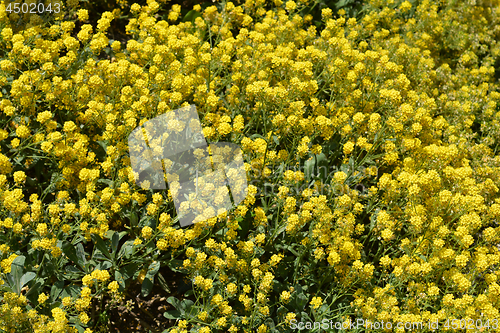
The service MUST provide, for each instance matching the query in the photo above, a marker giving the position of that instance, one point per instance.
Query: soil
(135, 313)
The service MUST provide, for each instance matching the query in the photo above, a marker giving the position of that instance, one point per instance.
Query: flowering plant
(369, 143)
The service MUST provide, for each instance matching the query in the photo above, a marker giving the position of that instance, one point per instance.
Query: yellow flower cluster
(404, 113)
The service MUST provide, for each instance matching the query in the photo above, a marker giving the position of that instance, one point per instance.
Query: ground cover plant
(370, 133)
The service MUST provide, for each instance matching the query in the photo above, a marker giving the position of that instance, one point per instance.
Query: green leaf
(373, 219)
(270, 323)
(289, 248)
(175, 265)
(321, 160)
(147, 220)
(73, 272)
(98, 255)
(34, 288)
(6, 287)
(256, 135)
(244, 225)
(181, 306)
(147, 286)
(16, 272)
(103, 265)
(422, 257)
(305, 317)
(133, 219)
(71, 290)
(119, 279)
(264, 204)
(101, 153)
(80, 328)
(186, 305)
(309, 168)
(108, 182)
(70, 251)
(27, 277)
(56, 290)
(172, 314)
(80, 254)
(153, 268)
(148, 282)
(126, 249)
(175, 302)
(282, 311)
(341, 3)
(17, 267)
(101, 246)
(191, 16)
(163, 283)
(129, 270)
(115, 239)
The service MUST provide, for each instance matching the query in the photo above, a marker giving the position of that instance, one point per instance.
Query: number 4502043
(33, 8)
(471, 324)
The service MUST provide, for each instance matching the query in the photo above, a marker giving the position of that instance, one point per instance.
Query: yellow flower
(42, 229)
(42, 298)
(221, 322)
(207, 285)
(83, 14)
(285, 296)
(433, 291)
(15, 143)
(47, 146)
(316, 149)
(19, 177)
(397, 271)
(231, 288)
(84, 318)
(17, 228)
(405, 6)
(162, 244)
(348, 147)
(387, 234)
(147, 232)
(113, 286)
(326, 13)
(262, 329)
(23, 132)
(340, 176)
(316, 302)
(290, 316)
(290, 6)
(224, 129)
(42, 117)
(66, 301)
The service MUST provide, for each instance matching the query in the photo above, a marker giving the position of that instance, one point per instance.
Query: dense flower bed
(370, 148)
